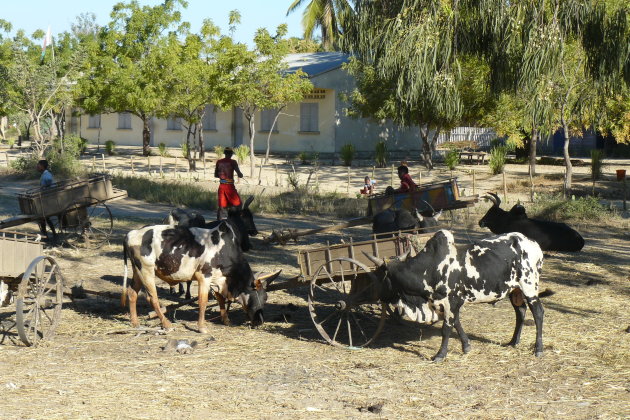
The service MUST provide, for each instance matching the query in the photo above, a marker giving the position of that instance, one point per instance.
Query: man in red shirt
(406, 183)
(224, 170)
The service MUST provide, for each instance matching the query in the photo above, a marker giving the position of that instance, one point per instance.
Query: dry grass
(284, 370)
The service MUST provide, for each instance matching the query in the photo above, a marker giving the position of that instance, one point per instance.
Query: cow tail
(123, 295)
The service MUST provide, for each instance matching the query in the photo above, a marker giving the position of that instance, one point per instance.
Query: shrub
(294, 179)
(451, 160)
(10, 142)
(305, 158)
(185, 150)
(25, 165)
(242, 152)
(498, 156)
(347, 154)
(110, 147)
(381, 154)
(65, 164)
(557, 208)
(218, 150)
(597, 164)
(163, 150)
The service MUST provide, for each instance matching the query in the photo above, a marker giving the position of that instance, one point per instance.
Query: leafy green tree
(40, 86)
(260, 80)
(125, 71)
(329, 16)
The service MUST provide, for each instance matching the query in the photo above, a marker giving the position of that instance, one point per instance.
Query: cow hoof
(438, 359)
(466, 349)
(227, 323)
(539, 353)
(203, 330)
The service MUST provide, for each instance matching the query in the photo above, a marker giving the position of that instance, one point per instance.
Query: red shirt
(406, 184)
(225, 169)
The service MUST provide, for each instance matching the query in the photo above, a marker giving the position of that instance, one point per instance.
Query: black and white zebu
(213, 257)
(551, 236)
(436, 282)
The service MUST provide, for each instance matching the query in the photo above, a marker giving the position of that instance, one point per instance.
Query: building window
(94, 121)
(210, 118)
(173, 123)
(309, 117)
(266, 119)
(124, 121)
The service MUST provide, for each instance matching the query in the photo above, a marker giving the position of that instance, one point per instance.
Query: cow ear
(248, 201)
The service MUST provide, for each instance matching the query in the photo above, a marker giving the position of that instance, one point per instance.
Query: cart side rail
(17, 250)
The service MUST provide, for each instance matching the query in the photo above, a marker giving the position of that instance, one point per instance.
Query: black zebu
(213, 257)
(442, 277)
(551, 236)
(389, 221)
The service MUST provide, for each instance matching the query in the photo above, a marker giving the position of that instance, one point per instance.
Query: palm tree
(328, 15)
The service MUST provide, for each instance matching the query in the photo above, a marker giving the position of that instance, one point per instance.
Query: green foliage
(163, 150)
(381, 154)
(218, 150)
(25, 165)
(185, 150)
(597, 163)
(330, 16)
(241, 152)
(451, 160)
(347, 152)
(10, 142)
(64, 164)
(498, 156)
(173, 193)
(305, 157)
(557, 208)
(110, 147)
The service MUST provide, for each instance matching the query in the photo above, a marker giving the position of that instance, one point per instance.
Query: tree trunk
(428, 147)
(568, 176)
(146, 135)
(202, 146)
(275, 119)
(252, 164)
(532, 152)
(189, 158)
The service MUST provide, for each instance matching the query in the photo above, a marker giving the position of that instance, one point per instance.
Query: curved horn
(248, 201)
(263, 280)
(430, 206)
(404, 256)
(374, 259)
(494, 198)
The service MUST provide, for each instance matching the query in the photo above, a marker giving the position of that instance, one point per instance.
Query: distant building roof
(317, 63)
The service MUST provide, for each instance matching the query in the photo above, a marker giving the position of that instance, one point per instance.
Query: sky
(60, 14)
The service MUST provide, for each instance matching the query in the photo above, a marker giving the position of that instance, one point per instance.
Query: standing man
(45, 181)
(224, 170)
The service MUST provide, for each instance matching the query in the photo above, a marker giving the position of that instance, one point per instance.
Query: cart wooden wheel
(88, 224)
(342, 304)
(39, 300)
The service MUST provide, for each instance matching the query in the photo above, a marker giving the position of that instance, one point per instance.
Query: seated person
(406, 183)
(368, 186)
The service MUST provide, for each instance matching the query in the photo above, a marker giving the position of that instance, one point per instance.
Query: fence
(480, 135)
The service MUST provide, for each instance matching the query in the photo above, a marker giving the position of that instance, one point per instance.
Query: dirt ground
(97, 367)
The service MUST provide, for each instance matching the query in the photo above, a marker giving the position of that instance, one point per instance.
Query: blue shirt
(46, 180)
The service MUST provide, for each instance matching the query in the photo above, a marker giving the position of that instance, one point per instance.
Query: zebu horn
(248, 201)
(374, 259)
(404, 256)
(263, 279)
(494, 198)
(430, 206)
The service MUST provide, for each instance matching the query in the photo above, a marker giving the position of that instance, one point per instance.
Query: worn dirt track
(97, 368)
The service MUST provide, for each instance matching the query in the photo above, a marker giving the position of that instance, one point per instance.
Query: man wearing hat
(224, 170)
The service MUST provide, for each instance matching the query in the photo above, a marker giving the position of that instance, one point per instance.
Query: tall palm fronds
(330, 16)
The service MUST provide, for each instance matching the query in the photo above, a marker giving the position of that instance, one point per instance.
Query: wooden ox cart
(438, 195)
(77, 210)
(34, 282)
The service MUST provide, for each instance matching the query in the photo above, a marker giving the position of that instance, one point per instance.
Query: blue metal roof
(317, 63)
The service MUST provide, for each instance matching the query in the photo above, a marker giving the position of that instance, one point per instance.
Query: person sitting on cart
(45, 181)
(406, 183)
(228, 196)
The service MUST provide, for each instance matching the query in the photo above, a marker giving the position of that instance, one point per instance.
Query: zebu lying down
(442, 277)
